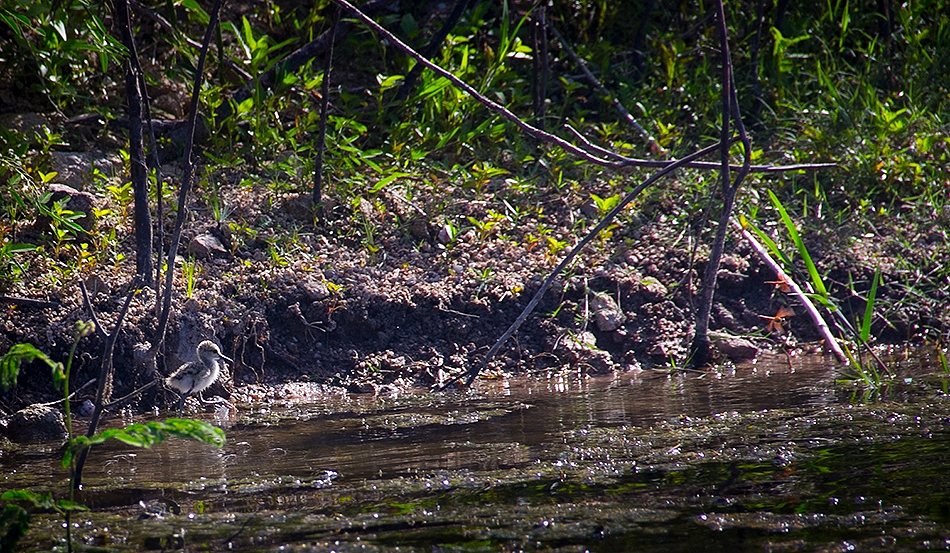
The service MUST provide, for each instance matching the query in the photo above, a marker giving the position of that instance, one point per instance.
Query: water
(777, 456)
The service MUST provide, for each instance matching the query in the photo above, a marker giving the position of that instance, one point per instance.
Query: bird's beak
(226, 358)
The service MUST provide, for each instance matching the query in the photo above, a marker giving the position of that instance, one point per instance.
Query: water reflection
(288, 458)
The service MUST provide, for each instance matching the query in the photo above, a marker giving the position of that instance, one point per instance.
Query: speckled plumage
(196, 376)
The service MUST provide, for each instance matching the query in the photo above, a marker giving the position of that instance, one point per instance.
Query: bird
(195, 376)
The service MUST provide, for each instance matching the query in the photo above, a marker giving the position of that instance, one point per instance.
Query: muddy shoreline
(418, 311)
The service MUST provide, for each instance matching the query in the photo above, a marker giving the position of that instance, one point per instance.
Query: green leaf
(769, 243)
(802, 250)
(42, 501)
(869, 308)
(18, 247)
(195, 8)
(385, 181)
(385, 83)
(148, 434)
(16, 521)
(36, 500)
(16, 356)
(248, 34)
(604, 205)
(64, 505)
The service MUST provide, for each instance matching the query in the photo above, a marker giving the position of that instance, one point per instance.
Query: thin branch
(700, 354)
(624, 113)
(100, 332)
(29, 302)
(165, 24)
(147, 111)
(620, 163)
(539, 62)
(124, 399)
(71, 396)
(796, 291)
(185, 185)
(104, 389)
(430, 49)
(139, 171)
(591, 235)
(317, 192)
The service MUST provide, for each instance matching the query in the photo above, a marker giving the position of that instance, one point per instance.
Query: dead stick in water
(813, 313)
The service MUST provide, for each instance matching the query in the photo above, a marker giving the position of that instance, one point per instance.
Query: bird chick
(195, 376)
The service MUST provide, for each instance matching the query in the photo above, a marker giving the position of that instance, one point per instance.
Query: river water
(777, 456)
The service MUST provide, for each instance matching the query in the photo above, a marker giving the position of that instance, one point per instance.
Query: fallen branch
(796, 291)
(593, 233)
(28, 302)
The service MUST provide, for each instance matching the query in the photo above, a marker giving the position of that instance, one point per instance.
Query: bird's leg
(181, 403)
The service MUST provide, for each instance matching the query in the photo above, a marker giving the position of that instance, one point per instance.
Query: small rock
(446, 234)
(607, 314)
(206, 246)
(75, 168)
(580, 340)
(86, 408)
(37, 423)
(77, 201)
(583, 351)
(653, 288)
(735, 348)
(30, 124)
(315, 290)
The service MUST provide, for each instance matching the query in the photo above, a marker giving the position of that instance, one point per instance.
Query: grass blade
(802, 250)
(869, 308)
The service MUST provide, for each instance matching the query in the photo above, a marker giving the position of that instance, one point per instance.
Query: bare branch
(593, 233)
(730, 111)
(620, 162)
(100, 332)
(654, 145)
(796, 291)
(185, 185)
(16, 300)
(104, 388)
(317, 192)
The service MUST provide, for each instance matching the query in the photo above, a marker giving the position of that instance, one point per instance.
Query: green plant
(122, 195)
(68, 44)
(15, 518)
(604, 205)
(944, 369)
(860, 369)
(820, 292)
(62, 221)
(484, 277)
(190, 269)
(12, 268)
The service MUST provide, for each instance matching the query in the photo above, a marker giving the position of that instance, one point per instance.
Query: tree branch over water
(606, 158)
(617, 161)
